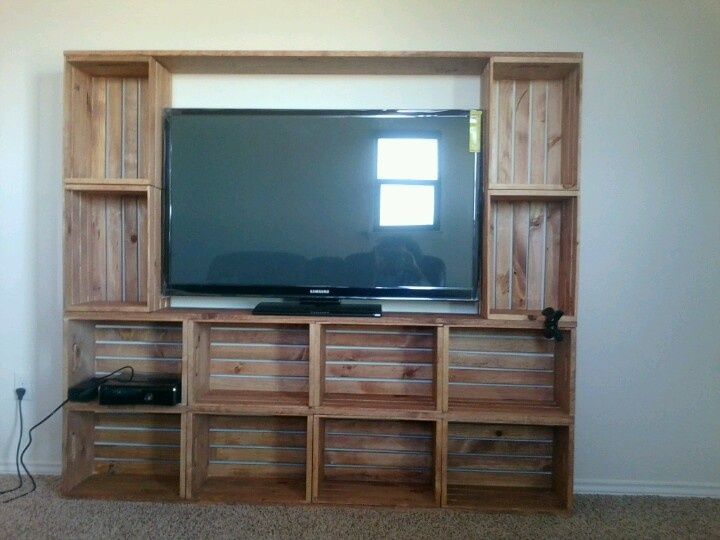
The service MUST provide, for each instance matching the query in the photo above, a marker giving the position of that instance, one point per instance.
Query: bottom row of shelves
(317, 459)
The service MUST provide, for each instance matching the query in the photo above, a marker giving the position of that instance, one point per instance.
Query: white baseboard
(53, 469)
(585, 486)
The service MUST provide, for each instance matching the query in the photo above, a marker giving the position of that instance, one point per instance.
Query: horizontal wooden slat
(258, 438)
(120, 452)
(145, 366)
(158, 421)
(508, 361)
(477, 446)
(395, 354)
(384, 427)
(499, 479)
(256, 455)
(265, 423)
(499, 431)
(501, 393)
(138, 349)
(460, 341)
(401, 460)
(259, 384)
(255, 471)
(378, 371)
(267, 368)
(145, 468)
(160, 333)
(402, 388)
(267, 335)
(466, 461)
(151, 436)
(375, 474)
(416, 443)
(404, 337)
(259, 352)
(499, 376)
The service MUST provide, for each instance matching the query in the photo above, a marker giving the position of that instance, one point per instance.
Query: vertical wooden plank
(130, 128)
(142, 123)
(570, 129)
(159, 97)
(503, 254)
(488, 100)
(564, 382)
(568, 257)
(98, 124)
(521, 133)
(538, 130)
(505, 134)
(521, 225)
(553, 231)
(199, 448)
(185, 452)
(78, 112)
(78, 448)
(114, 248)
(72, 249)
(536, 260)
(200, 361)
(563, 448)
(129, 249)
(554, 132)
(443, 461)
(186, 360)
(97, 248)
(438, 457)
(317, 460)
(316, 364)
(79, 340)
(151, 253)
(309, 460)
(442, 373)
(114, 119)
(142, 247)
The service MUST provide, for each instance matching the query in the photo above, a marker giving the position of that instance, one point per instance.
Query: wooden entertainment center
(417, 410)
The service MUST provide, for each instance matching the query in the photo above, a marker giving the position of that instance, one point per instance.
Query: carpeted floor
(45, 514)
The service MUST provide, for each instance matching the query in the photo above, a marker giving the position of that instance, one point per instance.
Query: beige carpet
(44, 514)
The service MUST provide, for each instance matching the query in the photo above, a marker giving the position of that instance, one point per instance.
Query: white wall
(648, 405)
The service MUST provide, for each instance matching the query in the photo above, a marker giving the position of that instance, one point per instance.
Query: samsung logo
(319, 291)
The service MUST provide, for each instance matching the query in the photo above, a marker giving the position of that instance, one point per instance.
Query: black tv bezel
(328, 292)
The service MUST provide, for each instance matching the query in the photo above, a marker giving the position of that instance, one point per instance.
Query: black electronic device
(310, 309)
(552, 321)
(85, 391)
(140, 391)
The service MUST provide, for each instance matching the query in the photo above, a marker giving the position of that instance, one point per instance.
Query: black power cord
(99, 381)
(20, 392)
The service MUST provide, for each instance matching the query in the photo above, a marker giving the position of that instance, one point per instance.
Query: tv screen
(348, 204)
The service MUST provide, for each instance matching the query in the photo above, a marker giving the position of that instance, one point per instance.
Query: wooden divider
(372, 366)
(114, 455)
(249, 458)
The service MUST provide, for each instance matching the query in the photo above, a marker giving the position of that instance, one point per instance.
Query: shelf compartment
(114, 120)
(123, 456)
(531, 263)
(508, 467)
(251, 364)
(379, 367)
(491, 368)
(112, 243)
(534, 106)
(376, 462)
(262, 459)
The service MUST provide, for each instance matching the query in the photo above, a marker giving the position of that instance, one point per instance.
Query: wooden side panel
(257, 447)
(500, 455)
(529, 136)
(534, 255)
(390, 362)
(105, 253)
(77, 449)
(150, 348)
(493, 365)
(269, 359)
(379, 451)
(146, 444)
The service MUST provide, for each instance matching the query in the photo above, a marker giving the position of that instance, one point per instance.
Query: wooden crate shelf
(250, 458)
(112, 244)
(376, 462)
(113, 117)
(379, 367)
(511, 369)
(123, 456)
(532, 252)
(250, 364)
(97, 348)
(507, 467)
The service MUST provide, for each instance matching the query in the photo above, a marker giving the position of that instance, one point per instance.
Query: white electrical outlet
(22, 380)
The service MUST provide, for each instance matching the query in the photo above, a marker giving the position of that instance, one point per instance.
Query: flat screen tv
(321, 203)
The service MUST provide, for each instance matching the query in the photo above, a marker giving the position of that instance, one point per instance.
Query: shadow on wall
(394, 262)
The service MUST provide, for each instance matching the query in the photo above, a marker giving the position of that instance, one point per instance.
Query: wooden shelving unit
(414, 410)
